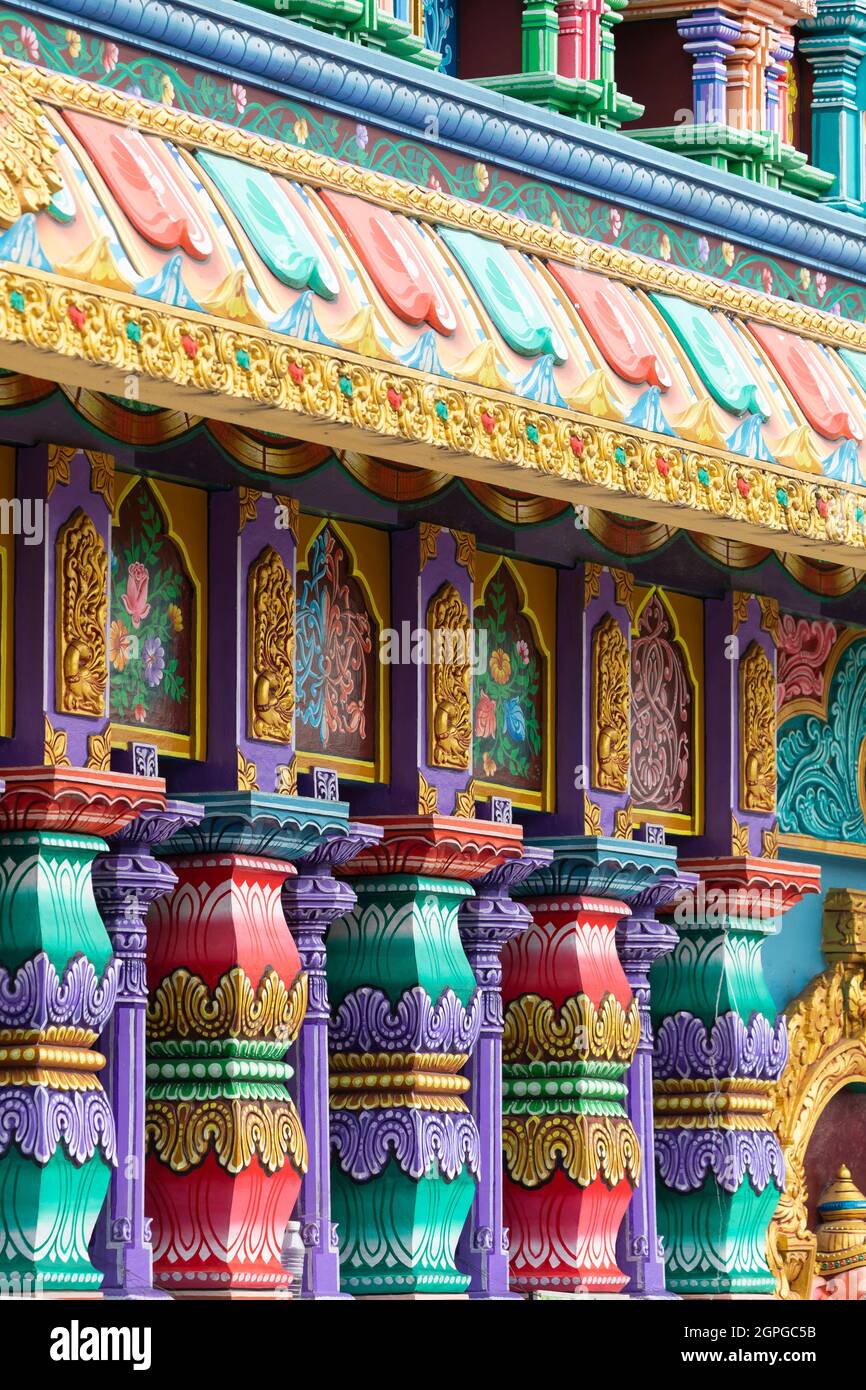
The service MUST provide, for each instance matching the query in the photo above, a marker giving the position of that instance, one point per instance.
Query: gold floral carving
(181, 1133)
(102, 475)
(591, 817)
(291, 509)
(428, 797)
(184, 1006)
(770, 842)
(82, 615)
(611, 706)
(287, 778)
(770, 616)
(449, 682)
(623, 585)
(464, 802)
(624, 823)
(826, 1052)
(464, 551)
(54, 749)
(741, 601)
(714, 1103)
(248, 499)
(247, 774)
(99, 750)
(308, 166)
(584, 1146)
(428, 543)
(271, 650)
(757, 731)
(538, 1030)
(60, 457)
(29, 172)
(774, 500)
(591, 582)
(739, 838)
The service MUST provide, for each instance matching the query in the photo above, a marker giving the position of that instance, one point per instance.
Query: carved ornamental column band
(312, 900)
(225, 1147)
(572, 1156)
(407, 1014)
(126, 881)
(720, 1047)
(58, 985)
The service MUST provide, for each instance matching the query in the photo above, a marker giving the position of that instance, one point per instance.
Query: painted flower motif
(820, 284)
(110, 57)
(153, 660)
(515, 720)
(135, 599)
(523, 652)
(29, 41)
(485, 716)
(119, 644)
(175, 617)
(615, 221)
(489, 765)
(73, 43)
(167, 90)
(805, 277)
(555, 220)
(480, 177)
(301, 131)
(139, 714)
(239, 96)
(362, 137)
(665, 246)
(499, 666)
(767, 279)
(434, 182)
(703, 250)
(729, 255)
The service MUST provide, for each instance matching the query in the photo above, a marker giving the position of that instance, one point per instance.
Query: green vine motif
(507, 744)
(32, 38)
(148, 619)
(819, 760)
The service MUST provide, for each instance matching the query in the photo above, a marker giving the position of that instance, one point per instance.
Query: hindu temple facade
(432, 649)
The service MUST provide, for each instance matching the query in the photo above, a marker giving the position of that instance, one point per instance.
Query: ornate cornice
(371, 86)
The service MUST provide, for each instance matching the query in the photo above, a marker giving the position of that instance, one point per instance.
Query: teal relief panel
(793, 957)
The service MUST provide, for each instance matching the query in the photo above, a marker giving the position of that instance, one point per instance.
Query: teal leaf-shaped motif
(819, 760)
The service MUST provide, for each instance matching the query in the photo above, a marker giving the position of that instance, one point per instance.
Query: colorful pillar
(126, 881)
(487, 922)
(312, 900)
(572, 1157)
(227, 998)
(835, 43)
(720, 1048)
(58, 983)
(407, 1015)
(641, 939)
(709, 36)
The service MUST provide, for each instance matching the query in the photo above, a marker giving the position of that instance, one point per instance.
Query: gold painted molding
(296, 162)
(563, 454)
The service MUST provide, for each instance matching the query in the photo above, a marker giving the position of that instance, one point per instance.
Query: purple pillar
(126, 881)
(710, 36)
(311, 902)
(487, 922)
(640, 940)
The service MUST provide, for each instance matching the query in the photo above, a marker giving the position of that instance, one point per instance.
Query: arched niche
(826, 1053)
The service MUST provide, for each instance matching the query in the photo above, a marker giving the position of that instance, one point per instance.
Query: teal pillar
(406, 1017)
(834, 42)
